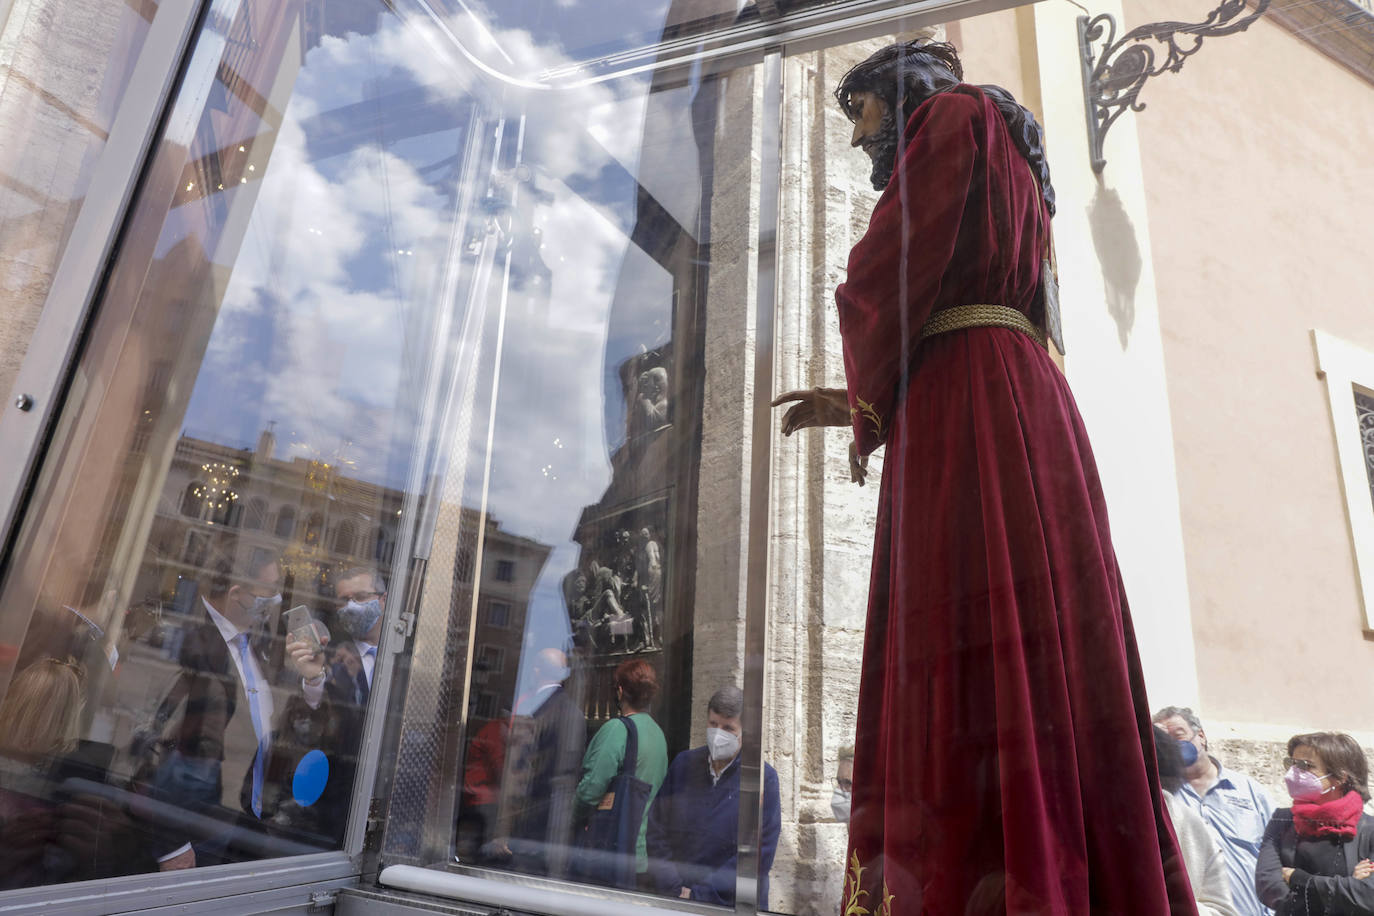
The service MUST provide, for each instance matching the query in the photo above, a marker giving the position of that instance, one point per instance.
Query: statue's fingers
(798, 417)
(799, 395)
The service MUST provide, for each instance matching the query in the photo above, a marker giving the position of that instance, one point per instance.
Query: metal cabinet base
(359, 902)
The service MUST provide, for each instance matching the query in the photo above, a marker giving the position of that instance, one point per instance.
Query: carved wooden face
(866, 110)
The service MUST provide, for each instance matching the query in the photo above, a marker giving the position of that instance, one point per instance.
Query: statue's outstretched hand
(816, 407)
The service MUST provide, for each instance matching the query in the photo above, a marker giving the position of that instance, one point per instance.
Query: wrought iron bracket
(1113, 79)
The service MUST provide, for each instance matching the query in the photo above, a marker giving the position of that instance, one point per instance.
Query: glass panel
(574, 573)
(472, 371)
(230, 480)
(529, 42)
(66, 69)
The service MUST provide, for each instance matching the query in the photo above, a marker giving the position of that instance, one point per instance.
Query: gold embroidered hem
(980, 316)
(854, 894)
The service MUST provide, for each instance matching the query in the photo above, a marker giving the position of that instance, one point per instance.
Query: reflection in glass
(208, 559)
(67, 67)
(367, 320)
(569, 513)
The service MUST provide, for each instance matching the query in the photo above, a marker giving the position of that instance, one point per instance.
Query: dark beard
(883, 152)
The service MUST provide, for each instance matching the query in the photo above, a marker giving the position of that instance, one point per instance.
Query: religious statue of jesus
(1003, 760)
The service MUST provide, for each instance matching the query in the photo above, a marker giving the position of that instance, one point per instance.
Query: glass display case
(392, 455)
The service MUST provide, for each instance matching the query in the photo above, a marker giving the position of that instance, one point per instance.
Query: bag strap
(631, 761)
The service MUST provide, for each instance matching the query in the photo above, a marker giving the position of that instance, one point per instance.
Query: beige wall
(63, 69)
(1257, 166)
(999, 48)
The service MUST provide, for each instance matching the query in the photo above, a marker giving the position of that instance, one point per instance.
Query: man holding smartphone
(324, 723)
(360, 601)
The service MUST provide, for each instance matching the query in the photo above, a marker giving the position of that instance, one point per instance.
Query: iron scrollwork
(1113, 80)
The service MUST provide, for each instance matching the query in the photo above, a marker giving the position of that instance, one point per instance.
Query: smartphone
(301, 627)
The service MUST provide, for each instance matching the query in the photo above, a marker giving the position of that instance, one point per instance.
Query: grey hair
(727, 701)
(378, 583)
(1183, 712)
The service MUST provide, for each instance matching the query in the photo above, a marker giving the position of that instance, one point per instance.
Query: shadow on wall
(1119, 255)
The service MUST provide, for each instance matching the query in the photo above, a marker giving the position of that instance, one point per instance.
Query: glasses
(1300, 763)
(360, 597)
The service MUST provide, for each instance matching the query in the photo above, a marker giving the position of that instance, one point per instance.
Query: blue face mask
(1188, 750)
(358, 618)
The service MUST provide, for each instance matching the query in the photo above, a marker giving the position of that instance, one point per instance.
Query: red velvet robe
(1003, 740)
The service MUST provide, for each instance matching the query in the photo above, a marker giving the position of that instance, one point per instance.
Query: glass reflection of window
(344, 538)
(498, 614)
(493, 659)
(385, 545)
(313, 528)
(286, 522)
(255, 517)
(191, 502)
(486, 705)
(197, 549)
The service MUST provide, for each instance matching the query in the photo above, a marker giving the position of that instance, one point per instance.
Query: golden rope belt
(980, 316)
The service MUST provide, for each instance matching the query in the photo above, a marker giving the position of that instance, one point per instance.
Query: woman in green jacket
(636, 685)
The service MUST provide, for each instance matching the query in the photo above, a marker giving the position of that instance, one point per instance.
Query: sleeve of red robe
(896, 268)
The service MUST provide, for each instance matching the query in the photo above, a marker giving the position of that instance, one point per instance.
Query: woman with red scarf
(1317, 857)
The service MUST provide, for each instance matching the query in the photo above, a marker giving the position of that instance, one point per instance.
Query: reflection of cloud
(551, 387)
(324, 323)
(323, 306)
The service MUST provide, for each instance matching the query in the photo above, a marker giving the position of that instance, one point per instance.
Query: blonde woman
(40, 715)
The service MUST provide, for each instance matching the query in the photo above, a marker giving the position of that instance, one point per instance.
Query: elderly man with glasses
(1232, 804)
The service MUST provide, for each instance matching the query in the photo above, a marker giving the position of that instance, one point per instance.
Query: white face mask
(723, 745)
(839, 803)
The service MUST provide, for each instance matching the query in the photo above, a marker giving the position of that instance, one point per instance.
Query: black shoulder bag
(605, 852)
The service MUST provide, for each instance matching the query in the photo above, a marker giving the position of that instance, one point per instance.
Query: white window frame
(1345, 367)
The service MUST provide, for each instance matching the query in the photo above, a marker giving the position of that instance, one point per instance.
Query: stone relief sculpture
(648, 407)
(616, 601)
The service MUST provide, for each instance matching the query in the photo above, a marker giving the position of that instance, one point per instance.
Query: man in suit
(360, 602)
(219, 712)
(543, 764)
(328, 715)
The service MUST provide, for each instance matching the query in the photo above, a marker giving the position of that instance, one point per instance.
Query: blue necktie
(363, 688)
(250, 688)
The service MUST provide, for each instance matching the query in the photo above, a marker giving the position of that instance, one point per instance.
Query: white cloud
(322, 327)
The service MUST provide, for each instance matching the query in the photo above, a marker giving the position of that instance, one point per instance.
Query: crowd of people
(251, 750)
(248, 751)
(540, 799)
(1243, 855)
(251, 754)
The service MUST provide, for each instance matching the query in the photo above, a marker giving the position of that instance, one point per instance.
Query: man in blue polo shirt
(1232, 804)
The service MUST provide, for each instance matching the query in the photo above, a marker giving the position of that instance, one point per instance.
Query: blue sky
(326, 324)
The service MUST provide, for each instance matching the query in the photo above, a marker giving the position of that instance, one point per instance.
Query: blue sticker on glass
(311, 775)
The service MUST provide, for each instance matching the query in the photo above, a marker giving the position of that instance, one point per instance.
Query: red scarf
(1336, 818)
